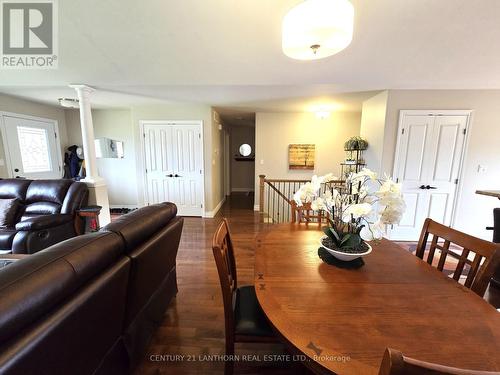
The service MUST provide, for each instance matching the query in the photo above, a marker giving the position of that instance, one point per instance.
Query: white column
(87, 128)
(98, 192)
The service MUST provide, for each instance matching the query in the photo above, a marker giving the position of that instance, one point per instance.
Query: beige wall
(217, 174)
(73, 127)
(474, 212)
(372, 129)
(242, 172)
(26, 107)
(275, 131)
(115, 124)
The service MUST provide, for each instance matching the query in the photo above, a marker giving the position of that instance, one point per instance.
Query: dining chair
(244, 319)
(395, 363)
(305, 214)
(481, 257)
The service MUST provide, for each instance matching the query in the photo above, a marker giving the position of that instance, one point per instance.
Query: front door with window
(430, 148)
(31, 148)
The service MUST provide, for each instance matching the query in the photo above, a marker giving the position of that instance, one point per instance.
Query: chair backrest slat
(432, 250)
(305, 214)
(461, 264)
(473, 270)
(444, 253)
(222, 247)
(479, 271)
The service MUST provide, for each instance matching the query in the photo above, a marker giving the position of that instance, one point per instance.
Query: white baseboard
(256, 207)
(210, 214)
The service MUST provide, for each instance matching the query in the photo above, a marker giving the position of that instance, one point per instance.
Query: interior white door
(32, 148)
(430, 151)
(174, 173)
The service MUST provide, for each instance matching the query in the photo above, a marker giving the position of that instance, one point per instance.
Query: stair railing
(276, 197)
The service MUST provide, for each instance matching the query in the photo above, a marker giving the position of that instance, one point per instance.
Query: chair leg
(229, 364)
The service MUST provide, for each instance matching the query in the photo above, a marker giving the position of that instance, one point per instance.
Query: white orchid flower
(329, 177)
(389, 187)
(355, 211)
(377, 205)
(307, 192)
(393, 213)
(373, 231)
(318, 204)
(363, 174)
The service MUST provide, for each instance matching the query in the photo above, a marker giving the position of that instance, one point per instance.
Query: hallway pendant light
(316, 29)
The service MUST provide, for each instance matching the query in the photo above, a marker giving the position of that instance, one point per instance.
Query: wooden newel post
(262, 180)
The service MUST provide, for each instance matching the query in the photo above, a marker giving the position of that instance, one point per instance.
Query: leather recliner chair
(47, 213)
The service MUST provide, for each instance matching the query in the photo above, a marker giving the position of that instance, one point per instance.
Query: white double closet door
(173, 155)
(428, 162)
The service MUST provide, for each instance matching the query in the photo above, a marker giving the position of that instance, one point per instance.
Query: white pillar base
(98, 195)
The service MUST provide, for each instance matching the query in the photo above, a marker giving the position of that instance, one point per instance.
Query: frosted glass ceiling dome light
(316, 29)
(69, 103)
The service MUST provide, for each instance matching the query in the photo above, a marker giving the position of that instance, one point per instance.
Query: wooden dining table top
(490, 193)
(343, 319)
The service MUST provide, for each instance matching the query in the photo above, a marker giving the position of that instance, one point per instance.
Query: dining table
(339, 319)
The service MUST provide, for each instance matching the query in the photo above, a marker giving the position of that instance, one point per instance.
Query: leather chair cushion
(8, 212)
(6, 238)
(47, 191)
(76, 197)
(137, 226)
(44, 222)
(33, 286)
(42, 208)
(14, 188)
(249, 317)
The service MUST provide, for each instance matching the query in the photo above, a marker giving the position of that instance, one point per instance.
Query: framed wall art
(301, 156)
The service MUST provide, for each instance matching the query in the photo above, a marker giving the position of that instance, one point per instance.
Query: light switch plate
(482, 168)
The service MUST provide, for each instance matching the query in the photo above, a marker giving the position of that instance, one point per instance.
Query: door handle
(427, 187)
(176, 175)
(169, 175)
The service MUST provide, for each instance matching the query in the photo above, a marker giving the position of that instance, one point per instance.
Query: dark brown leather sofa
(90, 304)
(46, 213)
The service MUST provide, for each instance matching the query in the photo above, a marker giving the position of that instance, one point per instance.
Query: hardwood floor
(193, 329)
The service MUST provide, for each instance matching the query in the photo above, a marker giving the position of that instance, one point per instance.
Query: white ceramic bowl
(345, 256)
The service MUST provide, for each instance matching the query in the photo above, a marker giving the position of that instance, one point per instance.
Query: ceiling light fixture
(322, 115)
(316, 29)
(69, 103)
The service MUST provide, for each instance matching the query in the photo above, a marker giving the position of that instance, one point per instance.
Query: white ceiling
(228, 53)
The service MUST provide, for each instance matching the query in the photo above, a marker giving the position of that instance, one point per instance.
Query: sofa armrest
(43, 222)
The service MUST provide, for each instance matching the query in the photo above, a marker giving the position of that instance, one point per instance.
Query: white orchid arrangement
(359, 210)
